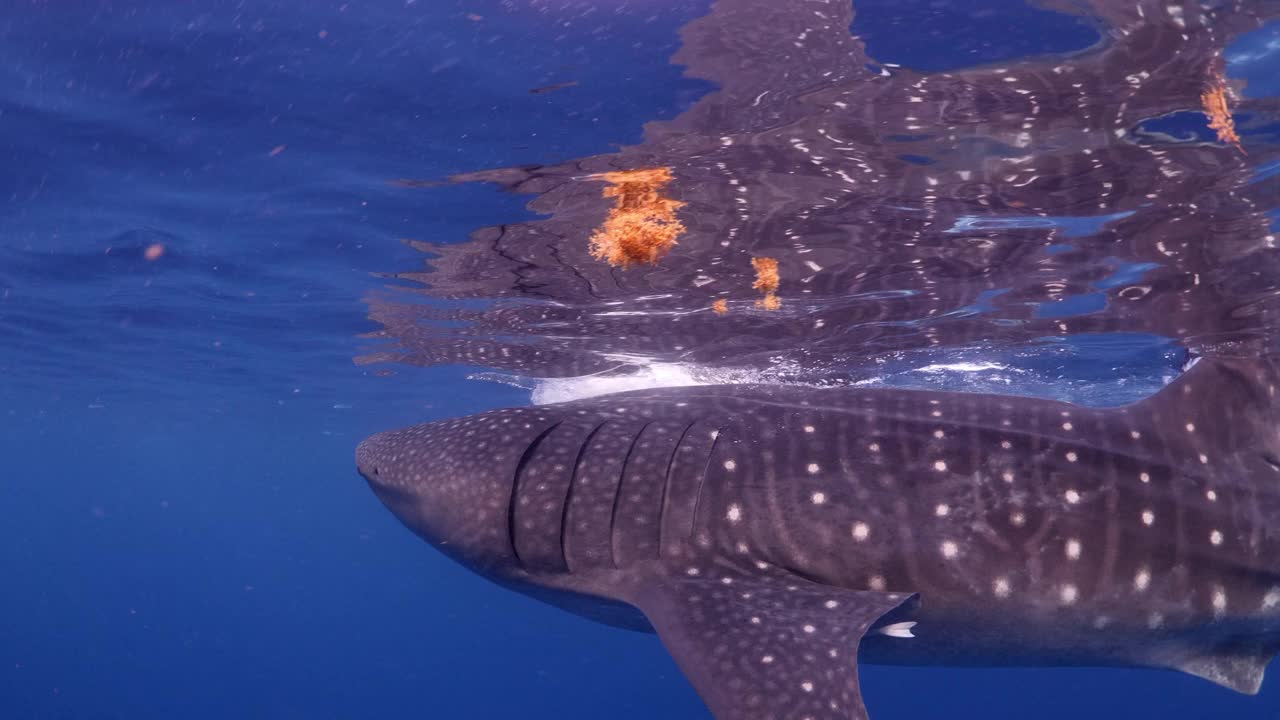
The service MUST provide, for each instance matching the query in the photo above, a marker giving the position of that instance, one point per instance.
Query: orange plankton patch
(1214, 101)
(153, 252)
(720, 306)
(642, 226)
(767, 281)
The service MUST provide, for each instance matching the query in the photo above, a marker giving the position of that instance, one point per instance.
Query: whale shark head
(443, 490)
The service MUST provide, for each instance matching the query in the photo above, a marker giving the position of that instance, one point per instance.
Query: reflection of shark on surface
(773, 534)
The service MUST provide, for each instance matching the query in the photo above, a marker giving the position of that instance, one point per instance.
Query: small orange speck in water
(474, 17)
(720, 306)
(769, 302)
(766, 273)
(766, 280)
(323, 34)
(153, 252)
(642, 225)
(1215, 105)
(276, 150)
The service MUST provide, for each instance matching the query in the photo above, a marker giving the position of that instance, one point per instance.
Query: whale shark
(824, 213)
(774, 536)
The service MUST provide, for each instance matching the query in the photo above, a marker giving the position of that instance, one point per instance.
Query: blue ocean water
(197, 200)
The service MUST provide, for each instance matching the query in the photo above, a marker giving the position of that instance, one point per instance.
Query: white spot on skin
(734, 515)
(940, 466)
(818, 498)
(1271, 600)
(1148, 518)
(1145, 477)
(861, 531)
(949, 549)
(1219, 601)
(730, 465)
(1072, 496)
(831, 604)
(767, 659)
(809, 629)
(1017, 519)
(1211, 496)
(1142, 580)
(1073, 549)
(806, 686)
(942, 510)
(1000, 586)
(1068, 594)
(813, 468)
(1215, 537)
(808, 428)
(877, 583)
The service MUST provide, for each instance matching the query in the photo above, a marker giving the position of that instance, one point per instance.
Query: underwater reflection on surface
(995, 206)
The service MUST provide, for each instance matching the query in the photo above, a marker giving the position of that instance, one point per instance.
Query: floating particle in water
(153, 252)
(642, 226)
(766, 281)
(720, 306)
(769, 302)
(1214, 101)
(552, 88)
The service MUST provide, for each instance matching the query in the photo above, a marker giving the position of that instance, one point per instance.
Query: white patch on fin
(1242, 673)
(898, 630)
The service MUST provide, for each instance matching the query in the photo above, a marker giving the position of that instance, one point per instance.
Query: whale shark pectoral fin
(767, 647)
(1242, 671)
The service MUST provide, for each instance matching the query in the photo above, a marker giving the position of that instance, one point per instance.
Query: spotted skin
(773, 535)
(744, 522)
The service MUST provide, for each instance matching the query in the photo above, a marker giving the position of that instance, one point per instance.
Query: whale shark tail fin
(763, 647)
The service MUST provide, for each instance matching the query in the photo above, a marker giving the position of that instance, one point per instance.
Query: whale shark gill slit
(664, 498)
(513, 530)
(615, 539)
(568, 496)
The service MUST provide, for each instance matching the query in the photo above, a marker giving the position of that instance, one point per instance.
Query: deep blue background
(182, 531)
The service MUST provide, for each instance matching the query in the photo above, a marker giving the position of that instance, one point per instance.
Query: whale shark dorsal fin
(1230, 401)
(765, 647)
